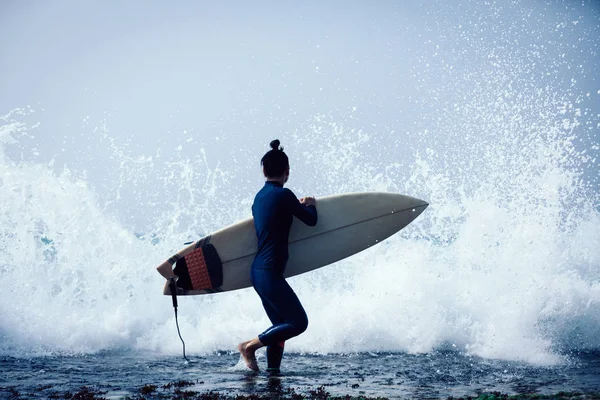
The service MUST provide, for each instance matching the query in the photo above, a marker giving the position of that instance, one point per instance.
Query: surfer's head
(275, 162)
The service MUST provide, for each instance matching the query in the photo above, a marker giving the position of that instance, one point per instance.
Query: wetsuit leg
(274, 351)
(272, 313)
(273, 290)
(274, 356)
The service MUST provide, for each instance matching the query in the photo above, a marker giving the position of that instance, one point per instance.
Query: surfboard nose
(403, 202)
(423, 204)
(420, 203)
(419, 206)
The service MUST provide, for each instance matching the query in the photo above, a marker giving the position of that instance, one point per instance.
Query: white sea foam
(500, 272)
(505, 263)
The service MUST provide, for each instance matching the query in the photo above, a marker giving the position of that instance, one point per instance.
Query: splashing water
(505, 263)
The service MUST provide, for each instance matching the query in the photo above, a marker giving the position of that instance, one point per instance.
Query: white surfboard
(347, 223)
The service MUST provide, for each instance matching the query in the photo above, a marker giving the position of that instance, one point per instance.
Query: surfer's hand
(308, 201)
(166, 270)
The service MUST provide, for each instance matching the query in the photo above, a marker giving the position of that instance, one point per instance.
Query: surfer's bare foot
(247, 351)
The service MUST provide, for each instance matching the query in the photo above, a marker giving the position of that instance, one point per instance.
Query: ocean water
(436, 374)
(491, 113)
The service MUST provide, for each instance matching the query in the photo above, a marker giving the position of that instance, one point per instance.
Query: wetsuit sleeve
(308, 215)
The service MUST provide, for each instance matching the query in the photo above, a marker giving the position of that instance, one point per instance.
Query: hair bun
(275, 145)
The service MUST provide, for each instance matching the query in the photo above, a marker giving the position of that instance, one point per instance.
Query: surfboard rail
(348, 223)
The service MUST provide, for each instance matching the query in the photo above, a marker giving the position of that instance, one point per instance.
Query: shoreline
(183, 390)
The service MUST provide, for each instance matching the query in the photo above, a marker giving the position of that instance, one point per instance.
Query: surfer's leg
(283, 309)
(272, 313)
(274, 351)
(274, 356)
(281, 298)
(248, 348)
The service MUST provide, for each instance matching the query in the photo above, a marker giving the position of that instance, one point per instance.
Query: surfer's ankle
(252, 345)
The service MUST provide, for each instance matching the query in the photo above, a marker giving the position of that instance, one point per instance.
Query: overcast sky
(231, 76)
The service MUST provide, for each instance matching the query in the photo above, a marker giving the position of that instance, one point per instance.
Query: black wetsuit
(273, 211)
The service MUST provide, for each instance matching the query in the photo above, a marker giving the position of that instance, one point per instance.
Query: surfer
(273, 210)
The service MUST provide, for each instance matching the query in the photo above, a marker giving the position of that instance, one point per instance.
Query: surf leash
(173, 289)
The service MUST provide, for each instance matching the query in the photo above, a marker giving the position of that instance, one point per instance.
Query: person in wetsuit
(273, 211)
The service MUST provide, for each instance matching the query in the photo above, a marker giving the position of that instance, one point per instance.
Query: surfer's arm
(166, 268)
(306, 214)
